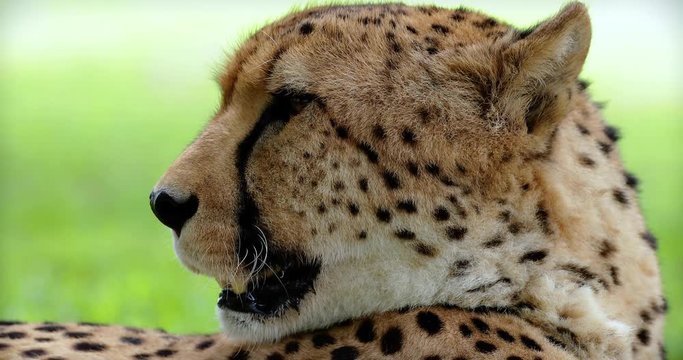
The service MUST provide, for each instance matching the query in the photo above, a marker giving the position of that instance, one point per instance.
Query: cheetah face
(353, 155)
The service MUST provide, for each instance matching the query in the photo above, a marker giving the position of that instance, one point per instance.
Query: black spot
(275, 356)
(425, 250)
(379, 132)
(50, 328)
(650, 239)
(505, 216)
(614, 274)
(392, 341)
(505, 335)
(407, 206)
(485, 347)
(391, 180)
(9, 323)
(583, 84)
(530, 343)
(89, 346)
(345, 353)
(411, 29)
(142, 356)
(462, 264)
(322, 209)
(432, 357)
(363, 235)
(556, 342)
(239, 355)
(204, 345)
(77, 334)
(620, 196)
(44, 339)
(644, 336)
(383, 215)
(607, 249)
(542, 218)
(413, 169)
(631, 180)
(424, 113)
(366, 331)
(322, 339)
(132, 340)
(33, 353)
(495, 242)
(405, 234)
(369, 152)
(583, 272)
(338, 186)
(586, 161)
(3, 346)
(513, 357)
(456, 232)
(432, 50)
(353, 209)
(429, 322)
(342, 132)
(536, 255)
(447, 181)
(481, 325)
(612, 133)
(168, 353)
(663, 308)
(457, 17)
(441, 214)
(363, 184)
(605, 147)
(291, 347)
(393, 44)
(440, 29)
(12, 335)
(465, 330)
(89, 323)
(433, 169)
(645, 316)
(582, 129)
(525, 187)
(409, 136)
(306, 28)
(514, 228)
(486, 24)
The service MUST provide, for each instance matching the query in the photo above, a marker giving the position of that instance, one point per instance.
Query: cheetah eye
(295, 101)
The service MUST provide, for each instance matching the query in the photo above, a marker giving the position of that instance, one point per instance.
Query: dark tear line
(248, 215)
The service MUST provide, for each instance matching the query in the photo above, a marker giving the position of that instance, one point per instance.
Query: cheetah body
(449, 177)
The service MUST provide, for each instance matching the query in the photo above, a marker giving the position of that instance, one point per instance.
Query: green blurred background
(98, 97)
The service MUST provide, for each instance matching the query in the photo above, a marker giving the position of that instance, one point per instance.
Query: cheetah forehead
(305, 50)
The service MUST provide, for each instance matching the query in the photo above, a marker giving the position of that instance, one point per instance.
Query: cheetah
(388, 181)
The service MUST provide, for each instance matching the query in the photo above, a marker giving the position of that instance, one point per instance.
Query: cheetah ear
(545, 63)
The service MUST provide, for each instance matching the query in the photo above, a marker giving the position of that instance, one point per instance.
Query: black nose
(171, 211)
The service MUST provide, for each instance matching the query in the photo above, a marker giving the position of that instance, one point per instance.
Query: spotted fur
(447, 174)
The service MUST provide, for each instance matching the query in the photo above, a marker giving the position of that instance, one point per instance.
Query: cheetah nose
(172, 211)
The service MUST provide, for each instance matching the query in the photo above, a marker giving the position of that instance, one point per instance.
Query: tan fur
(503, 139)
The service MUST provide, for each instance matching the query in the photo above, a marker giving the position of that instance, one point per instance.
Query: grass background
(97, 98)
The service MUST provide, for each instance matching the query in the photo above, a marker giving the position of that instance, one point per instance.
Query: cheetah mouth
(274, 291)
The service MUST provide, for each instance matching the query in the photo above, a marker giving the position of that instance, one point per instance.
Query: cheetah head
(354, 155)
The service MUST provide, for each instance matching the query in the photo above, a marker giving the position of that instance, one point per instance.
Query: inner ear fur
(543, 66)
